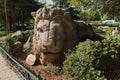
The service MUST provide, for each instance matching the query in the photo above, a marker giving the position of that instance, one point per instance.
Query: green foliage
(26, 34)
(51, 69)
(104, 17)
(89, 15)
(83, 63)
(112, 47)
(109, 7)
(61, 3)
(19, 13)
(8, 43)
(86, 15)
(109, 31)
(74, 13)
(2, 33)
(79, 64)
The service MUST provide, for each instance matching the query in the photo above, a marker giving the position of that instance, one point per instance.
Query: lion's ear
(33, 14)
(67, 15)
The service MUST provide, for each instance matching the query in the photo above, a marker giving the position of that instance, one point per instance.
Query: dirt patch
(49, 72)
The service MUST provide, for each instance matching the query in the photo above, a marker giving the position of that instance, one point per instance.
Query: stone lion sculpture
(55, 32)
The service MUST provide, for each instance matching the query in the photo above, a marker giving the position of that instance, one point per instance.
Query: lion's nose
(44, 48)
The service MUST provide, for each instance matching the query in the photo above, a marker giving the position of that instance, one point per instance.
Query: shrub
(79, 64)
(85, 62)
(109, 31)
(51, 69)
(8, 43)
(26, 34)
(112, 47)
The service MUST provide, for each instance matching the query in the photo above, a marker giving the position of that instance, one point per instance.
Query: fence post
(27, 76)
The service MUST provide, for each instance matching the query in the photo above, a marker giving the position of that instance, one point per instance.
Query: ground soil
(47, 72)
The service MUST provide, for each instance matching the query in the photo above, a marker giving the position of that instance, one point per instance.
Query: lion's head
(54, 31)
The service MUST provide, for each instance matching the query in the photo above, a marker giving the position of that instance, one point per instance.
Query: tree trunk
(22, 20)
(13, 14)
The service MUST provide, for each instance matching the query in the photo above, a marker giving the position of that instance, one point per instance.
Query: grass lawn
(2, 33)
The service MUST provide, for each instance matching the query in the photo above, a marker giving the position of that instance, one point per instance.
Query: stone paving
(6, 72)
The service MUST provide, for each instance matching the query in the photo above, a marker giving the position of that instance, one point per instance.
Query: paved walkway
(6, 72)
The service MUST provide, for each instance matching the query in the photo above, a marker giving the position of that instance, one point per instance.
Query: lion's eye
(54, 18)
(41, 30)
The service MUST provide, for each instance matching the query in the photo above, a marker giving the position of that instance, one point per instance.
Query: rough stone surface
(17, 35)
(18, 47)
(18, 43)
(30, 60)
(55, 32)
(48, 57)
(28, 45)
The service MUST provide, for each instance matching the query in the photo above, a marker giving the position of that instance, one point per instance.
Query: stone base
(48, 57)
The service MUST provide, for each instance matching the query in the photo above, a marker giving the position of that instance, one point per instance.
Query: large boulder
(17, 35)
(55, 32)
(30, 60)
(18, 47)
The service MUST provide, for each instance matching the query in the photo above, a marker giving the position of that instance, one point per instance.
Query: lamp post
(6, 16)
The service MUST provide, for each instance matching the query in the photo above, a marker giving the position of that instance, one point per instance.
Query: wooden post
(6, 16)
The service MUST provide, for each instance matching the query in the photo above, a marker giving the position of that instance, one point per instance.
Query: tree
(110, 7)
(19, 10)
(61, 3)
(23, 10)
(2, 16)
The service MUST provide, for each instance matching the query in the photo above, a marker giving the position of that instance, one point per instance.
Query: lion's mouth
(48, 53)
(48, 56)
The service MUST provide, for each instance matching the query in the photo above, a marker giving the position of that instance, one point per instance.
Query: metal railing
(24, 72)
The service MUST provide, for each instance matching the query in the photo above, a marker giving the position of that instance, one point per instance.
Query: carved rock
(50, 57)
(55, 32)
(17, 35)
(27, 47)
(30, 60)
(18, 47)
